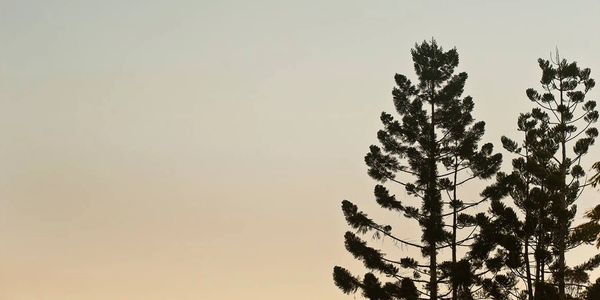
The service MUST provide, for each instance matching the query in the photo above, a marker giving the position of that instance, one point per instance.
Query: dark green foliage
(430, 150)
(517, 249)
(590, 231)
(530, 236)
(372, 288)
(593, 291)
(344, 280)
(372, 258)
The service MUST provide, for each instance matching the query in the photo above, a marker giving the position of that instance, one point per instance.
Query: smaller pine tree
(545, 184)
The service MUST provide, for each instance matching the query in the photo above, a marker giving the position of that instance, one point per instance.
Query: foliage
(430, 150)
(531, 237)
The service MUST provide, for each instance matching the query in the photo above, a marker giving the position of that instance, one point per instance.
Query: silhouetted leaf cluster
(517, 248)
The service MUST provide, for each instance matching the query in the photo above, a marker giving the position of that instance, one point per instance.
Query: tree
(593, 292)
(544, 186)
(431, 151)
(591, 229)
(515, 237)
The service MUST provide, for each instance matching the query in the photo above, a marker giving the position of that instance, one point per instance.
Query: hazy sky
(178, 150)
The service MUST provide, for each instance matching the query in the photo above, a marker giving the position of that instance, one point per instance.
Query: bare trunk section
(454, 213)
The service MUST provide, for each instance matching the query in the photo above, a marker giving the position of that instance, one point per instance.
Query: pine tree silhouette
(430, 151)
(545, 183)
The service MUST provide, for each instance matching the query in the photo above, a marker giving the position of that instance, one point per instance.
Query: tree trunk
(432, 188)
(454, 213)
(562, 222)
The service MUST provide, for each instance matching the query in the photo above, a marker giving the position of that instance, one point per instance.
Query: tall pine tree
(431, 151)
(545, 183)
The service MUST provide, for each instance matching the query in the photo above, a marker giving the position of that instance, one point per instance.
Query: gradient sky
(179, 150)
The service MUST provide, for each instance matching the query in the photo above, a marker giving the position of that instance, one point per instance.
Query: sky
(180, 150)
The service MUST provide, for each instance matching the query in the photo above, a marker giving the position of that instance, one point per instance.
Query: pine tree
(591, 229)
(517, 237)
(593, 291)
(544, 186)
(431, 151)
